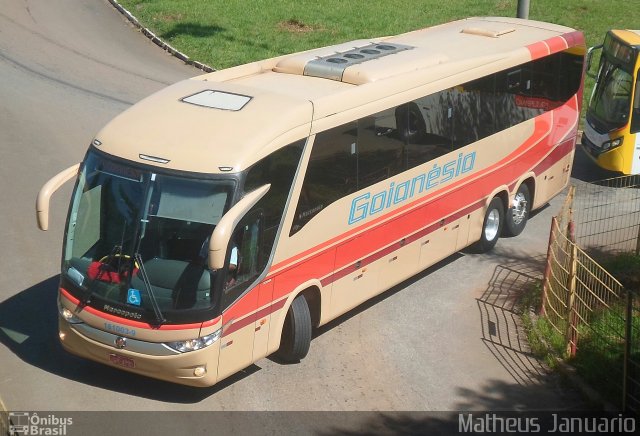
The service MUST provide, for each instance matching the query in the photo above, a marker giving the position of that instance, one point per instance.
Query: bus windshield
(611, 99)
(137, 241)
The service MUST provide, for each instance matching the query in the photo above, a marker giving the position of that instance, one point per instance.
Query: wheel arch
(528, 179)
(312, 292)
(502, 192)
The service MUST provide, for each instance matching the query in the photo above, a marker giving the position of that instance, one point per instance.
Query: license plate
(125, 362)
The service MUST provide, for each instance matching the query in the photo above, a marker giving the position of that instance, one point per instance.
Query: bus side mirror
(221, 236)
(42, 202)
(589, 59)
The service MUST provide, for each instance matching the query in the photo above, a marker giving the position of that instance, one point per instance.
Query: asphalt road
(448, 339)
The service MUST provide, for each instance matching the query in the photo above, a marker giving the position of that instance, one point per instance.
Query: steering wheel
(106, 270)
(126, 258)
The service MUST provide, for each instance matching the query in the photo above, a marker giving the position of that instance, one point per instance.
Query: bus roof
(631, 37)
(227, 120)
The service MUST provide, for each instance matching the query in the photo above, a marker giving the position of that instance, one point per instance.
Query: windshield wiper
(87, 294)
(145, 279)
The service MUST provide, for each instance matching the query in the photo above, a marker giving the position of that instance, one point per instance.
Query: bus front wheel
(296, 333)
(491, 226)
(518, 214)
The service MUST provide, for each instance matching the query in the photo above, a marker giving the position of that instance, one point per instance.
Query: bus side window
(379, 148)
(428, 127)
(473, 106)
(331, 173)
(244, 257)
(635, 114)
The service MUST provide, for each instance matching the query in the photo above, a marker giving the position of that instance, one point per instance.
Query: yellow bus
(612, 129)
(223, 218)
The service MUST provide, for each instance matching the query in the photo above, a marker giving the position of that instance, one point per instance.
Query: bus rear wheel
(518, 214)
(491, 226)
(296, 333)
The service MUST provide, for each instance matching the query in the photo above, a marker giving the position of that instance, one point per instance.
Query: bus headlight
(195, 344)
(612, 144)
(68, 315)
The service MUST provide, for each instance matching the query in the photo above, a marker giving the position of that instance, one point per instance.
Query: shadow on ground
(29, 328)
(584, 169)
(504, 335)
(192, 29)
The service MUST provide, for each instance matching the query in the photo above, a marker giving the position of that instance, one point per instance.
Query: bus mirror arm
(42, 202)
(589, 58)
(221, 236)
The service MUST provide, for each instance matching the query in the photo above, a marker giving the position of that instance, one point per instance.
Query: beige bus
(221, 219)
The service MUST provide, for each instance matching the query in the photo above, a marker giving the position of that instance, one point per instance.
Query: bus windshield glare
(611, 100)
(137, 241)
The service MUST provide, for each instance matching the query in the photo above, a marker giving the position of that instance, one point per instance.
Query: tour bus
(612, 129)
(220, 220)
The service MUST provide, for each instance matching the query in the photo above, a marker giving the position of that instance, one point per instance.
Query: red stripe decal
(397, 245)
(334, 262)
(558, 153)
(542, 127)
(573, 39)
(251, 319)
(556, 44)
(538, 50)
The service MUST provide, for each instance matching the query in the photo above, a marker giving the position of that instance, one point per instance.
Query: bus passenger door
(238, 333)
(263, 319)
(238, 319)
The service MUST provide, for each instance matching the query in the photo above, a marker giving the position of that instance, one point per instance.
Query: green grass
(225, 33)
(231, 32)
(600, 356)
(545, 341)
(626, 268)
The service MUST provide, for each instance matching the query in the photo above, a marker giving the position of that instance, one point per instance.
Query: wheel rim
(519, 209)
(492, 225)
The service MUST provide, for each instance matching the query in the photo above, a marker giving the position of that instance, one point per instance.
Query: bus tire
(410, 123)
(491, 226)
(518, 214)
(296, 332)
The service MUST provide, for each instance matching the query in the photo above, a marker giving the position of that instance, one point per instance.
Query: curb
(159, 42)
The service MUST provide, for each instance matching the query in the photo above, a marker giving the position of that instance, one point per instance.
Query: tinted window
(427, 127)
(379, 148)
(356, 155)
(331, 173)
(278, 169)
(635, 114)
(531, 89)
(473, 108)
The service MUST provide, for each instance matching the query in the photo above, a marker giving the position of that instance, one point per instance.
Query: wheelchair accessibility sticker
(133, 297)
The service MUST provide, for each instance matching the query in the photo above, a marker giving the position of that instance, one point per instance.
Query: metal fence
(587, 306)
(607, 215)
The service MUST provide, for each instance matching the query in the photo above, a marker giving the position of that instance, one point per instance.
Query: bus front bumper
(609, 160)
(195, 368)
